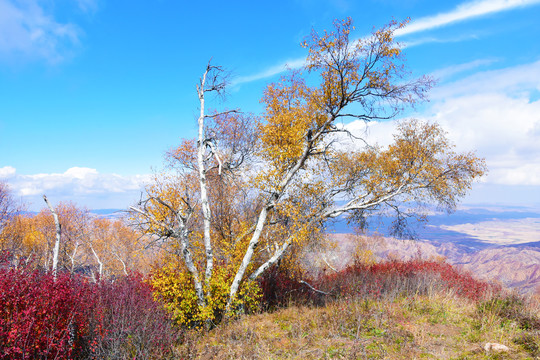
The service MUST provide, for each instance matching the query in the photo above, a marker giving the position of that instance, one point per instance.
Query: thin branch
(122, 261)
(234, 111)
(327, 263)
(352, 206)
(315, 290)
(214, 152)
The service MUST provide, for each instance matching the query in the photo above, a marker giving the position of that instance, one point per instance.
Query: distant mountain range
(107, 213)
(499, 244)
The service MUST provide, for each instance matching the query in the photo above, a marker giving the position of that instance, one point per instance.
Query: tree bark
(97, 259)
(58, 233)
(247, 256)
(201, 147)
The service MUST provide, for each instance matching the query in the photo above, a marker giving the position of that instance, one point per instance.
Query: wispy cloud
(271, 71)
(513, 81)
(431, 39)
(463, 12)
(27, 30)
(450, 71)
(88, 6)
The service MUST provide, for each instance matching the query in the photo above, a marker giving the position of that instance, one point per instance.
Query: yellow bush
(173, 286)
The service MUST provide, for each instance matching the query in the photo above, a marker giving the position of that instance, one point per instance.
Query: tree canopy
(253, 190)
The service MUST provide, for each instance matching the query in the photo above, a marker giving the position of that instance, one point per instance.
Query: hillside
(391, 310)
(516, 267)
(435, 326)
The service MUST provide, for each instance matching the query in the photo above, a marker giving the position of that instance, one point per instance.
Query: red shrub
(409, 277)
(387, 279)
(66, 318)
(280, 287)
(129, 323)
(38, 314)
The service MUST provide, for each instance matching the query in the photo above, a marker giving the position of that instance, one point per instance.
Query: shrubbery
(393, 278)
(174, 287)
(387, 279)
(128, 323)
(133, 318)
(43, 318)
(69, 317)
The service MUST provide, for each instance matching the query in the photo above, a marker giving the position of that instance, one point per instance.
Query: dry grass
(433, 326)
(395, 310)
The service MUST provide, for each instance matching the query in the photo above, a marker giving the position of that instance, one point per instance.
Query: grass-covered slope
(420, 327)
(421, 310)
(393, 310)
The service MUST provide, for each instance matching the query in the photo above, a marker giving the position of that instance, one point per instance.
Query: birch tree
(8, 205)
(58, 232)
(252, 190)
(115, 247)
(10, 209)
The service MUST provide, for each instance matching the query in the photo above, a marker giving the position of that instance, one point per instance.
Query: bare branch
(234, 111)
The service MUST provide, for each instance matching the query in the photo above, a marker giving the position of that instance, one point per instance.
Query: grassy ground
(439, 325)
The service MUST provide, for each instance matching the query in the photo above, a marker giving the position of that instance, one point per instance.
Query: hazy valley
(500, 244)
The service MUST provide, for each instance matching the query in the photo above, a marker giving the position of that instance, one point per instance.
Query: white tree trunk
(201, 147)
(58, 233)
(97, 259)
(278, 253)
(123, 263)
(248, 255)
(72, 257)
(181, 234)
(188, 260)
(261, 222)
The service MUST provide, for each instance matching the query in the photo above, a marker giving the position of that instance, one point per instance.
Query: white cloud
(27, 30)
(501, 129)
(374, 132)
(77, 181)
(6, 172)
(431, 39)
(516, 174)
(463, 12)
(84, 186)
(80, 173)
(512, 81)
(500, 120)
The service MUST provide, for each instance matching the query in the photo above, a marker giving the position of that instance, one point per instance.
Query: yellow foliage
(264, 189)
(292, 109)
(173, 286)
(362, 253)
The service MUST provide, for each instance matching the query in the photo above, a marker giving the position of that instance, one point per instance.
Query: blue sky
(92, 93)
